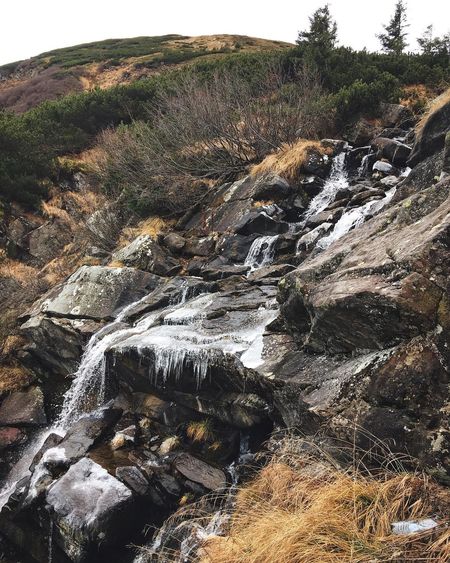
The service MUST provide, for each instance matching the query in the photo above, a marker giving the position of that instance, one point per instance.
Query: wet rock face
(431, 137)
(202, 355)
(377, 286)
(65, 335)
(97, 292)
(382, 287)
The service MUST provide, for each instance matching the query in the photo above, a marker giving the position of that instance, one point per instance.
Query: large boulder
(80, 438)
(98, 292)
(271, 187)
(430, 137)
(46, 334)
(260, 222)
(378, 285)
(92, 510)
(145, 254)
(397, 153)
(231, 202)
(23, 408)
(200, 472)
(203, 355)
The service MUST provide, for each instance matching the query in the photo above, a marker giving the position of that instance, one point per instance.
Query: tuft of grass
(200, 431)
(18, 271)
(320, 514)
(153, 226)
(435, 105)
(289, 160)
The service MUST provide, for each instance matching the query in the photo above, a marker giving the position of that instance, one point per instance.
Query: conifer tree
(431, 45)
(322, 33)
(394, 38)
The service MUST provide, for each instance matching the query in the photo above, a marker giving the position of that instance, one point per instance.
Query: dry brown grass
(433, 106)
(12, 343)
(152, 227)
(86, 202)
(318, 515)
(18, 271)
(54, 212)
(13, 378)
(289, 160)
(416, 97)
(200, 431)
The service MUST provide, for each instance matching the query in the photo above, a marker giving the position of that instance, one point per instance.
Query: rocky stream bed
(321, 306)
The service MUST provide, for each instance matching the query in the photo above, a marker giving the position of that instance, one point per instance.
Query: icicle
(50, 542)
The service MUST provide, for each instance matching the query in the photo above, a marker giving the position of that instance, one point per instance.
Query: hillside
(225, 302)
(103, 64)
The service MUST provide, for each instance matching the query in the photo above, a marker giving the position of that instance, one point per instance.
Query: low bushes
(200, 132)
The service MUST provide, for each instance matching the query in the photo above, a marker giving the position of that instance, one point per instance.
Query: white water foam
(337, 180)
(261, 253)
(175, 336)
(354, 218)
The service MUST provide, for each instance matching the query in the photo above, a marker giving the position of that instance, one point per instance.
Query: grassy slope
(113, 61)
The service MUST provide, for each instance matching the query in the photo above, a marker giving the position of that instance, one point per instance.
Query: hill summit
(102, 64)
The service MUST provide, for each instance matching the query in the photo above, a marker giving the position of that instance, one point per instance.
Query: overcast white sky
(30, 27)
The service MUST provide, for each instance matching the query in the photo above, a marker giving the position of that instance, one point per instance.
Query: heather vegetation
(351, 83)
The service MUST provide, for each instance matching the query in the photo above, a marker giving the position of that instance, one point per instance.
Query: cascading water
(364, 168)
(354, 218)
(181, 340)
(178, 340)
(261, 253)
(337, 180)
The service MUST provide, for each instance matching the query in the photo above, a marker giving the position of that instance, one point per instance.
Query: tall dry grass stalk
(287, 162)
(304, 507)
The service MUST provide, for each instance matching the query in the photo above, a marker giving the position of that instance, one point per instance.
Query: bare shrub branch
(213, 130)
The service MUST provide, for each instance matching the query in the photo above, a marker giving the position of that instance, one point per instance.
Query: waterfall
(88, 386)
(354, 218)
(182, 341)
(175, 337)
(337, 180)
(261, 253)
